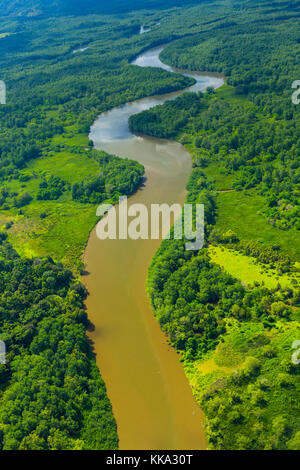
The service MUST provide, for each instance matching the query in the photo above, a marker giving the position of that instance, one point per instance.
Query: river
(150, 395)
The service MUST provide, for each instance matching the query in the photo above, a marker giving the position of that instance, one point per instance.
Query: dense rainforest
(244, 141)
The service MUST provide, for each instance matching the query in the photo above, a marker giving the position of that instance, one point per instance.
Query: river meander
(150, 395)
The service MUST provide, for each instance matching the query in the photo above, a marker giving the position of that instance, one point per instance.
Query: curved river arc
(150, 395)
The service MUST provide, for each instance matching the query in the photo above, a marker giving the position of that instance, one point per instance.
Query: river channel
(151, 398)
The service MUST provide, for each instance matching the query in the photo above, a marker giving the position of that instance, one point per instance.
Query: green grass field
(62, 234)
(71, 167)
(248, 270)
(59, 228)
(222, 180)
(228, 93)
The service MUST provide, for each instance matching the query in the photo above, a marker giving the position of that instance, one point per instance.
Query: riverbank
(144, 377)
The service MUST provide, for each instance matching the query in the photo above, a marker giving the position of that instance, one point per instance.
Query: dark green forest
(246, 138)
(52, 396)
(117, 177)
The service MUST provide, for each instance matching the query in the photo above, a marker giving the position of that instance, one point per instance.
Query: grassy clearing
(242, 212)
(228, 357)
(62, 234)
(247, 269)
(222, 181)
(228, 93)
(71, 139)
(71, 167)
(262, 398)
(202, 374)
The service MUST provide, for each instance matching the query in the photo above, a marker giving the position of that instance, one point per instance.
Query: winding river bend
(151, 398)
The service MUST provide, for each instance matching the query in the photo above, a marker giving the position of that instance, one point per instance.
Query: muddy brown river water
(150, 395)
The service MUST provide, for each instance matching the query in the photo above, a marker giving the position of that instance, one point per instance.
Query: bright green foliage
(51, 188)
